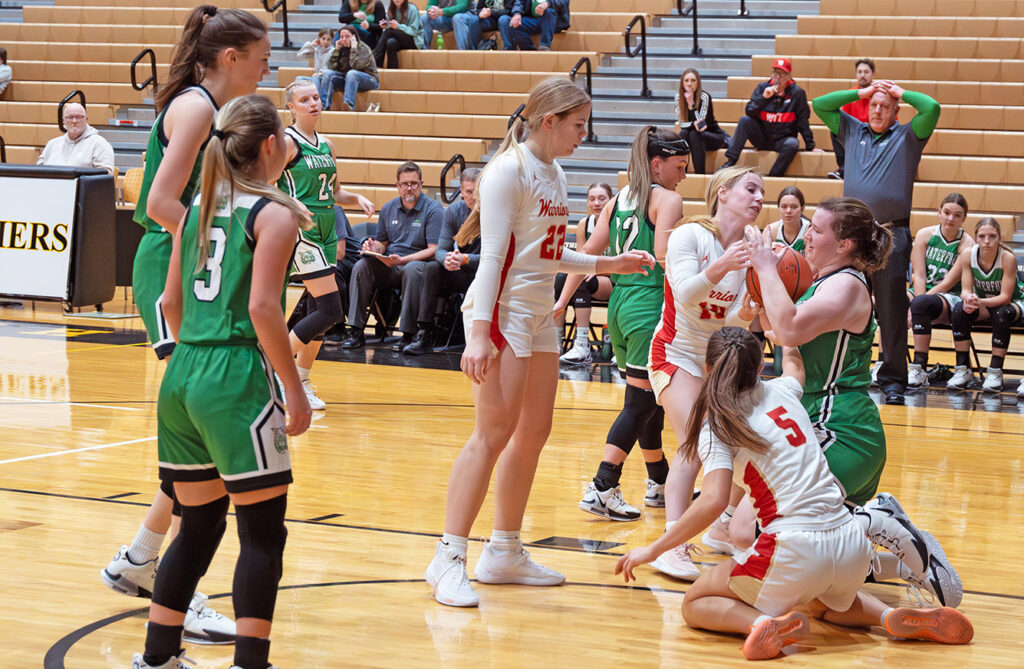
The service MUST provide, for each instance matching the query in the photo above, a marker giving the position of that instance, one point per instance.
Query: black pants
(702, 142)
(436, 281)
(889, 286)
(752, 130)
(391, 42)
(370, 274)
(837, 146)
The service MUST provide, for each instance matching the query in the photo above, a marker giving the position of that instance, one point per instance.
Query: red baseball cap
(782, 64)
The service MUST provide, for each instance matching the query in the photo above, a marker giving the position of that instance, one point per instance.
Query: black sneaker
(335, 336)
(487, 45)
(422, 343)
(726, 164)
(355, 340)
(402, 343)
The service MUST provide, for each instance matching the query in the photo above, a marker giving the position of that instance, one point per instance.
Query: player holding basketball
(311, 177)
(221, 426)
(222, 54)
(511, 351)
(811, 552)
(834, 327)
(704, 291)
(641, 216)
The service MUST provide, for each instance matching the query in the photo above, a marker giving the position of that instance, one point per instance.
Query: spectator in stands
(881, 162)
(403, 29)
(351, 63)
(440, 17)
(697, 123)
(407, 231)
(453, 268)
(5, 71)
(532, 18)
(858, 109)
(366, 17)
(777, 111)
(485, 20)
(319, 53)
(80, 146)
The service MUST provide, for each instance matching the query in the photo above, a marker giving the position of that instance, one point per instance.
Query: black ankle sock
(997, 362)
(962, 358)
(162, 643)
(607, 476)
(921, 358)
(252, 652)
(658, 471)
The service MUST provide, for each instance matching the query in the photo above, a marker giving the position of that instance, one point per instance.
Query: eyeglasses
(409, 185)
(75, 117)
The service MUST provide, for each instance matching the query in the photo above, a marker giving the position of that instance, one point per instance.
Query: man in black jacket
(777, 111)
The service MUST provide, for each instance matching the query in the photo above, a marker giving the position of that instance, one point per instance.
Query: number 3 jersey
(524, 212)
(791, 485)
(215, 298)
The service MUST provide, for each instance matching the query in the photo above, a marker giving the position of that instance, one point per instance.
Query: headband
(657, 147)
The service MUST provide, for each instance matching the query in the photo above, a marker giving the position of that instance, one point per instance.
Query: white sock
(727, 514)
(145, 546)
(582, 337)
(456, 545)
(886, 567)
(505, 540)
(758, 620)
(669, 524)
(881, 621)
(303, 373)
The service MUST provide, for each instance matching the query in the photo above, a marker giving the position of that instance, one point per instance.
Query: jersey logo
(705, 258)
(280, 440)
(549, 208)
(306, 257)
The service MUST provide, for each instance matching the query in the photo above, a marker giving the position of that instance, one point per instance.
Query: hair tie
(219, 134)
(524, 119)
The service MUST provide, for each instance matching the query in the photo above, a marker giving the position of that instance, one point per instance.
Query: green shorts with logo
(633, 315)
(220, 415)
(149, 274)
(317, 252)
(850, 431)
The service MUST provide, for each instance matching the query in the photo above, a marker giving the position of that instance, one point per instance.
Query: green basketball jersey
(155, 155)
(628, 230)
(990, 283)
(312, 174)
(215, 300)
(798, 243)
(939, 258)
(839, 360)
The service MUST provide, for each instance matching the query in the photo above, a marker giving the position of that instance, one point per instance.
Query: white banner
(36, 217)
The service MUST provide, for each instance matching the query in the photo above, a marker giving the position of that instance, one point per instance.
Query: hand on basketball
(631, 560)
(762, 256)
(633, 262)
(477, 356)
(299, 413)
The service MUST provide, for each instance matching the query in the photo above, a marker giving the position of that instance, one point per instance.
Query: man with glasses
(80, 146)
(407, 232)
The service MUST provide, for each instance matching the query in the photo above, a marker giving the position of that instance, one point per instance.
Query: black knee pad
(167, 488)
(924, 309)
(326, 312)
(960, 322)
(261, 534)
(637, 409)
(584, 295)
(650, 435)
(302, 307)
(1002, 318)
(189, 555)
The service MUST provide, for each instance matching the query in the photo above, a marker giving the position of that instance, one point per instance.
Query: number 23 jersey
(524, 212)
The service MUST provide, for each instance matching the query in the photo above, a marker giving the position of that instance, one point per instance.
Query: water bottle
(439, 41)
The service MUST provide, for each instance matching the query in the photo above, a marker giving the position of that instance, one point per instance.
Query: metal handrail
(3, 150)
(516, 114)
(151, 79)
(743, 9)
(585, 60)
(457, 158)
(641, 50)
(283, 5)
(696, 51)
(60, 107)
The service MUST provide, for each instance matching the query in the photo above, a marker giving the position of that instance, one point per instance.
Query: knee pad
(301, 310)
(326, 312)
(190, 554)
(650, 436)
(1002, 317)
(960, 321)
(637, 409)
(167, 488)
(262, 535)
(583, 297)
(923, 310)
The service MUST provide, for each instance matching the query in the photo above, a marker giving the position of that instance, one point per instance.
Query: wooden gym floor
(78, 469)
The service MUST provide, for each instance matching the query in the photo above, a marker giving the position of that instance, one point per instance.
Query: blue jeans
(443, 24)
(520, 37)
(355, 81)
(474, 26)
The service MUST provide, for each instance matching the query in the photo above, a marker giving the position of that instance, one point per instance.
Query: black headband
(218, 133)
(657, 147)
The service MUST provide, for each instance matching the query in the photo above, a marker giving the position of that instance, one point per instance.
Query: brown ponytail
(851, 219)
(724, 401)
(208, 31)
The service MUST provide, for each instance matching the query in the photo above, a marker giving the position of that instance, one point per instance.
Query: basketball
(795, 273)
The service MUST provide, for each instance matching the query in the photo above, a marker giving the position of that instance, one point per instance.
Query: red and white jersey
(694, 308)
(791, 485)
(524, 213)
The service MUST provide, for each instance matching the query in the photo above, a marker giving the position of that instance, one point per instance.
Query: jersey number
(206, 290)
(326, 186)
(709, 311)
(630, 229)
(796, 436)
(551, 249)
(936, 274)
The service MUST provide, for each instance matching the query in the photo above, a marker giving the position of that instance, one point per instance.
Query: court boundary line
(76, 450)
(21, 400)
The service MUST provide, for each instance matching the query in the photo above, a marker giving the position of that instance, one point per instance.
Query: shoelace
(686, 551)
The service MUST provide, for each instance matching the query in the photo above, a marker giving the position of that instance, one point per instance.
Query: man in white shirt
(81, 146)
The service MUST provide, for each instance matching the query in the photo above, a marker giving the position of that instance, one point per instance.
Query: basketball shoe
(655, 496)
(608, 504)
(678, 563)
(769, 636)
(993, 380)
(916, 376)
(315, 403)
(719, 545)
(578, 355)
(874, 374)
(887, 525)
(446, 574)
(942, 582)
(943, 625)
(176, 662)
(962, 378)
(205, 626)
(124, 576)
(514, 566)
